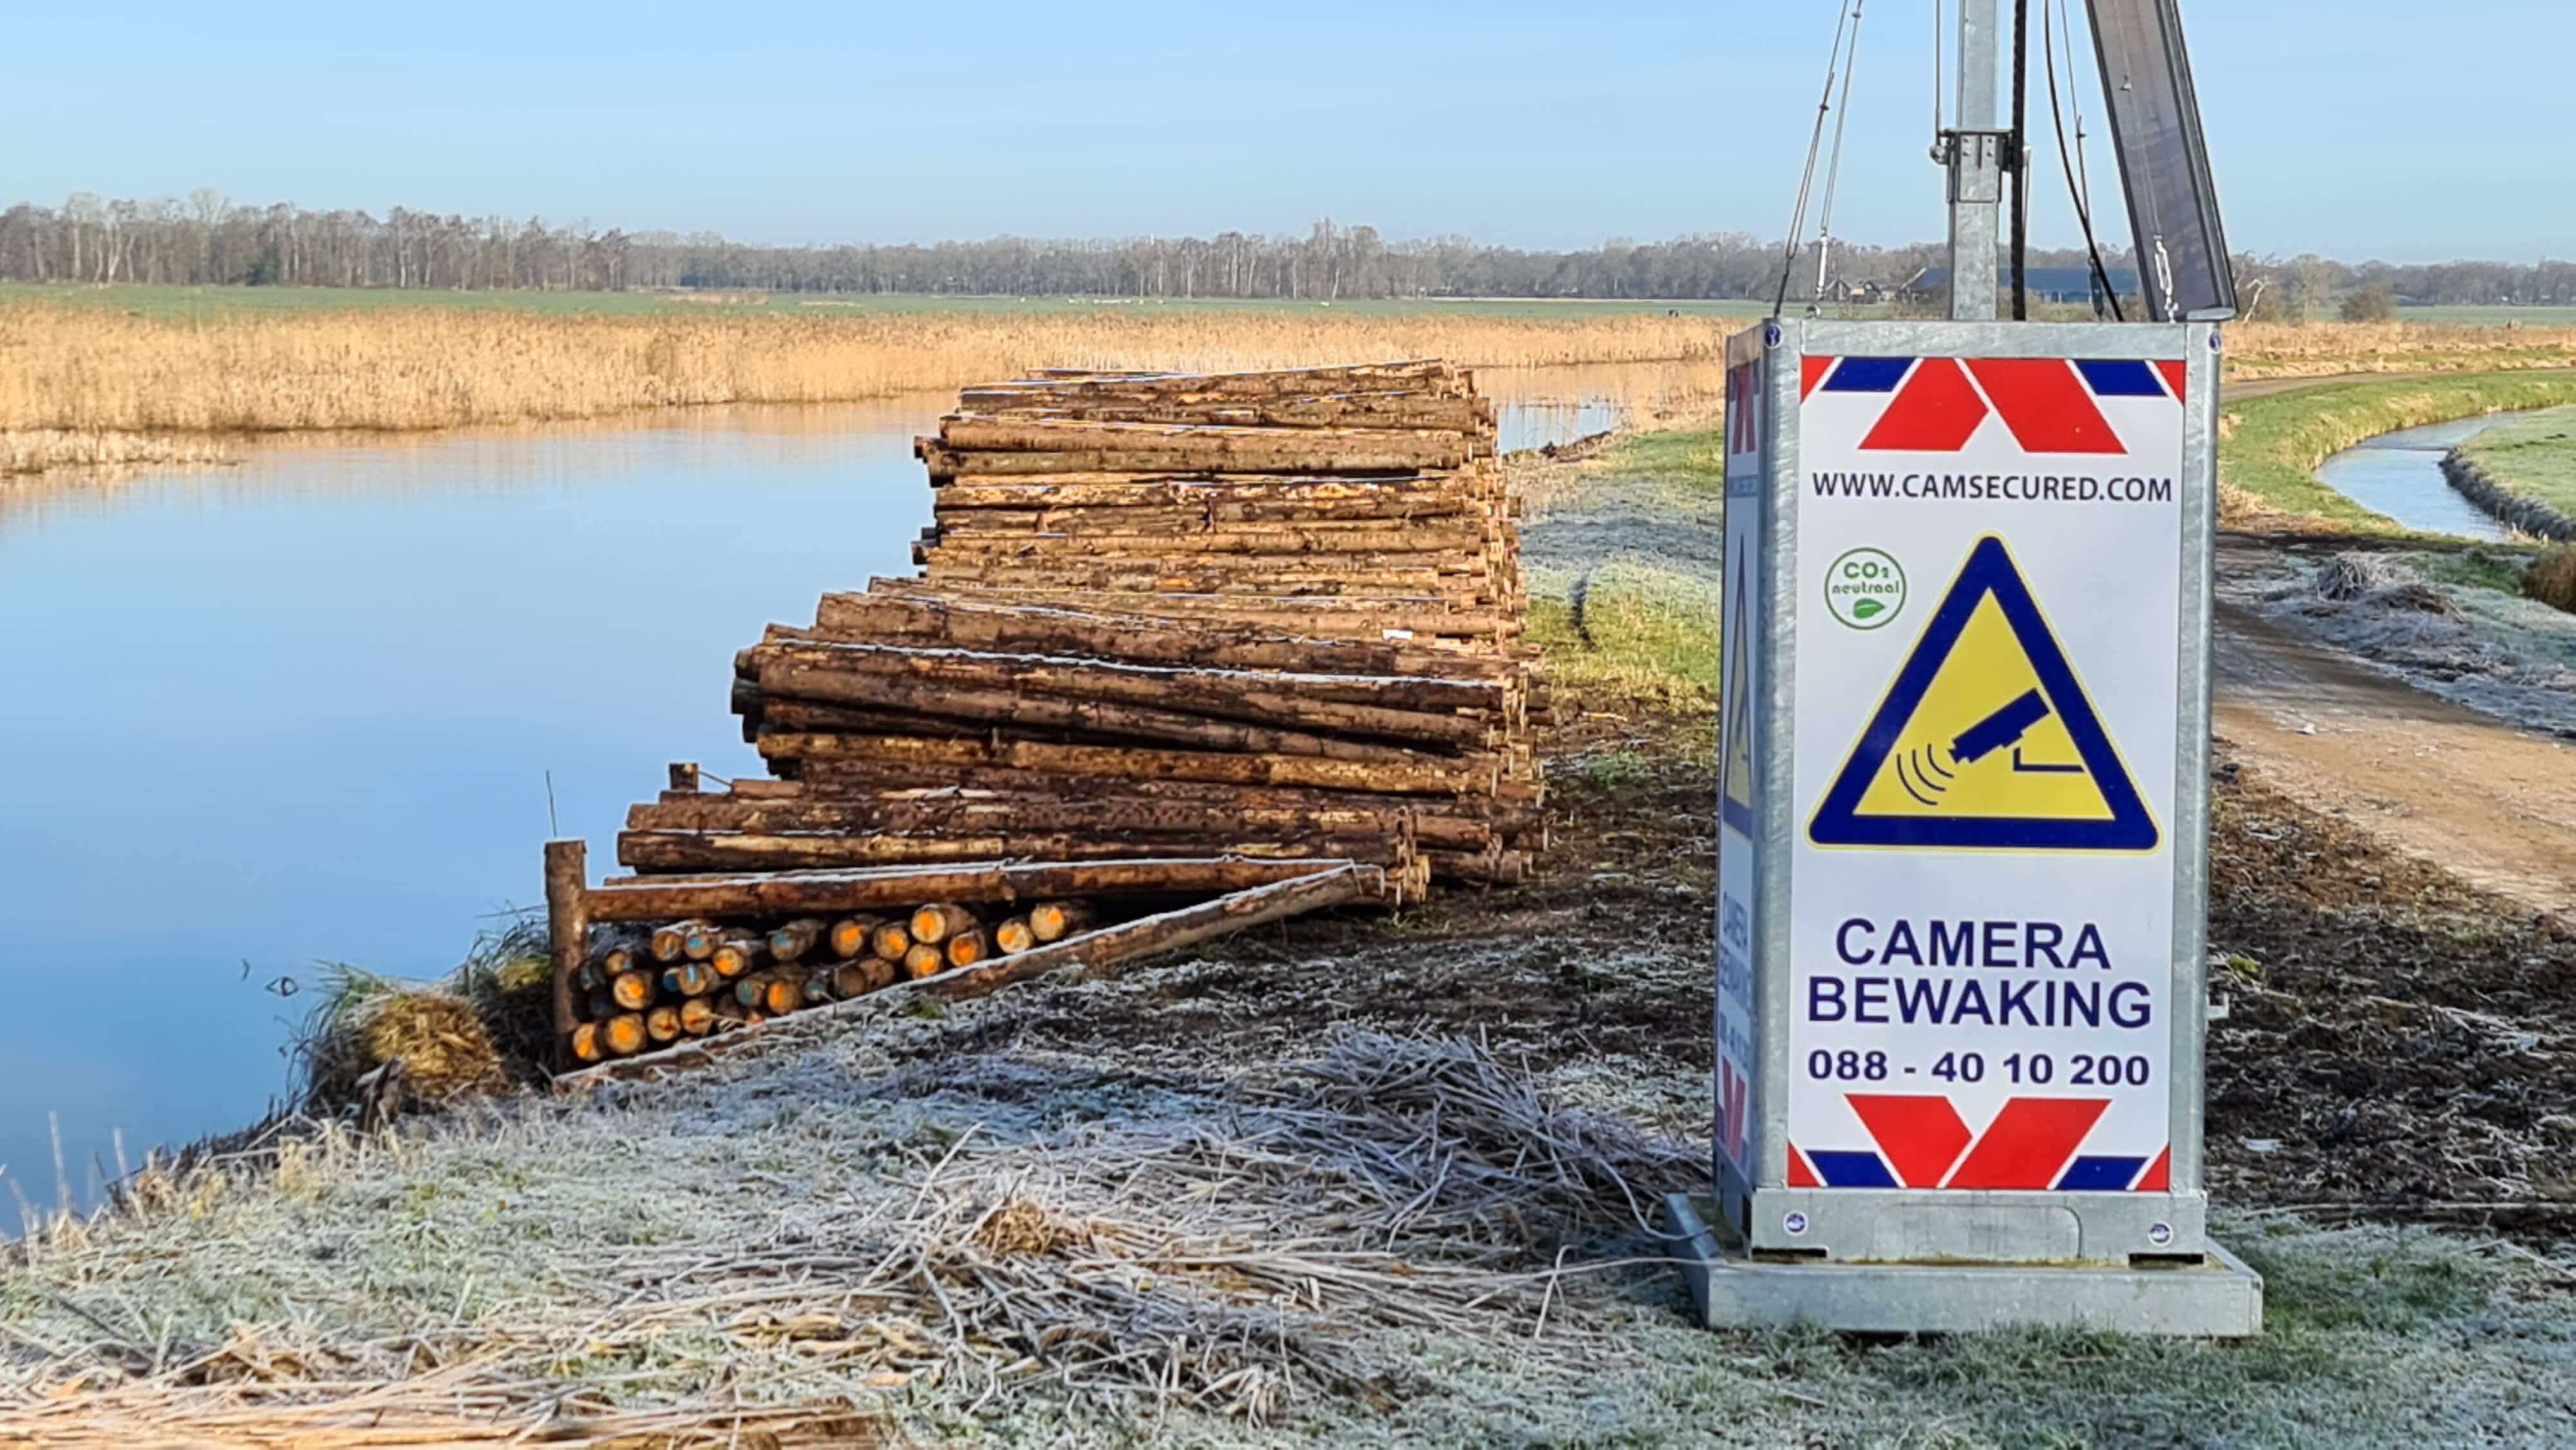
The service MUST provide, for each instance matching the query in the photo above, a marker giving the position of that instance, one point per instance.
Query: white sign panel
(1987, 651)
(1738, 1030)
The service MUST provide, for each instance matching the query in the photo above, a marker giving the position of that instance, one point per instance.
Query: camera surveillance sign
(1987, 659)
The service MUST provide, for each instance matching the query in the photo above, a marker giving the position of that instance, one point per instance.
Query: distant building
(2068, 285)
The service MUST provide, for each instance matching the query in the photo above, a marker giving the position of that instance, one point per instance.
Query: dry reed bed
(961, 1223)
(2283, 350)
(76, 368)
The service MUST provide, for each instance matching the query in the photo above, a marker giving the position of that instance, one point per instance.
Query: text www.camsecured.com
(2009, 487)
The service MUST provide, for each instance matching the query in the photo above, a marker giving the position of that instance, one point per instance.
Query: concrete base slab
(2218, 1299)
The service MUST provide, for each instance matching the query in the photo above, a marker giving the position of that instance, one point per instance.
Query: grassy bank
(2533, 457)
(2273, 445)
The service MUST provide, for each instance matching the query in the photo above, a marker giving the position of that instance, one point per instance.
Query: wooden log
(1135, 818)
(1409, 411)
(1312, 578)
(567, 929)
(669, 940)
(1275, 450)
(1111, 946)
(794, 939)
(690, 979)
(924, 960)
(891, 940)
(1417, 373)
(1006, 707)
(1366, 672)
(585, 1043)
(633, 991)
(1053, 921)
(737, 955)
(670, 852)
(1354, 616)
(857, 979)
(662, 1024)
(966, 948)
(826, 792)
(1234, 497)
(1207, 547)
(1451, 713)
(1400, 460)
(699, 940)
(850, 936)
(697, 1016)
(648, 898)
(623, 1035)
(1013, 935)
(939, 921)
(1040, 630)
(1418, 774)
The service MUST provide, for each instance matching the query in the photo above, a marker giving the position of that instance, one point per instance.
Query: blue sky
(2361, 129)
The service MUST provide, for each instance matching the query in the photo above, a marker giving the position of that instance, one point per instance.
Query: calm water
(305, 711)
(2400, 475)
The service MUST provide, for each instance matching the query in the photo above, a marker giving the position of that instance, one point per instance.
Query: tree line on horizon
(208, 240)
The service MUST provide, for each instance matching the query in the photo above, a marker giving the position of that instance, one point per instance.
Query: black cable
(2020, 151)
(2075, 189)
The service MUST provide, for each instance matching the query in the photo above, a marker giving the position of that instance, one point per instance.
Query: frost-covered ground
(1272, 1199)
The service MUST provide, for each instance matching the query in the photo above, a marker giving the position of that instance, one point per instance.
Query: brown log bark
(1138, 819)
(1004, 707)
(1456, 713)
(1202, 546)
(1242, 497)
(856, 979)
(1073, 630)
(1507, 818)
(1273, 449)
(691, 851)
(567, 930)
(647, 898)
(1417, 775)
(1355, 460)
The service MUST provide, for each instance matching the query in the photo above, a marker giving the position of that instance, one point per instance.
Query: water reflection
(2400, 474)
(324, 706)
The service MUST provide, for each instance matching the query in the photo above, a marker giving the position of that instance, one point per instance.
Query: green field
(2534, 457)
(193, 302)
(2491, 316)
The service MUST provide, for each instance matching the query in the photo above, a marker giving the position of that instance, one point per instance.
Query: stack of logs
(647, 987)
(1258, 615)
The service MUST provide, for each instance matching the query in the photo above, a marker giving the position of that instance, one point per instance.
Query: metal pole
(1976, 167)
(2018, 161)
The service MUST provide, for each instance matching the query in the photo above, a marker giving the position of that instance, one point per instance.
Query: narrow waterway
(324, 707)
(2400, 474)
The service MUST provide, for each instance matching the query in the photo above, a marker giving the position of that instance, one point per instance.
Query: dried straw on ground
(1237, 1242)
(2551, 579)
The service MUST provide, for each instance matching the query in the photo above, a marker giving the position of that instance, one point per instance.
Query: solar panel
(2164, 161)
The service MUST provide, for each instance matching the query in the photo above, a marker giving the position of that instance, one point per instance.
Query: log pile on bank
(1169, 630)
(1274, 615)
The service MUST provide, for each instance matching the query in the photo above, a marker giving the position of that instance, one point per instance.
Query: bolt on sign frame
(1963, 832)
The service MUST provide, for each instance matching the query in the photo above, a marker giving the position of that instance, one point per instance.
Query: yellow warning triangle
(1735, 806)
(1986, 738)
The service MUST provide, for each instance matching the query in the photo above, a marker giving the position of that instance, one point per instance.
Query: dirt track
(2492, 804)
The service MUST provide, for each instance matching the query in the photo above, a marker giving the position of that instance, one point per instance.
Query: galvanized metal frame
(1897, 1225)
